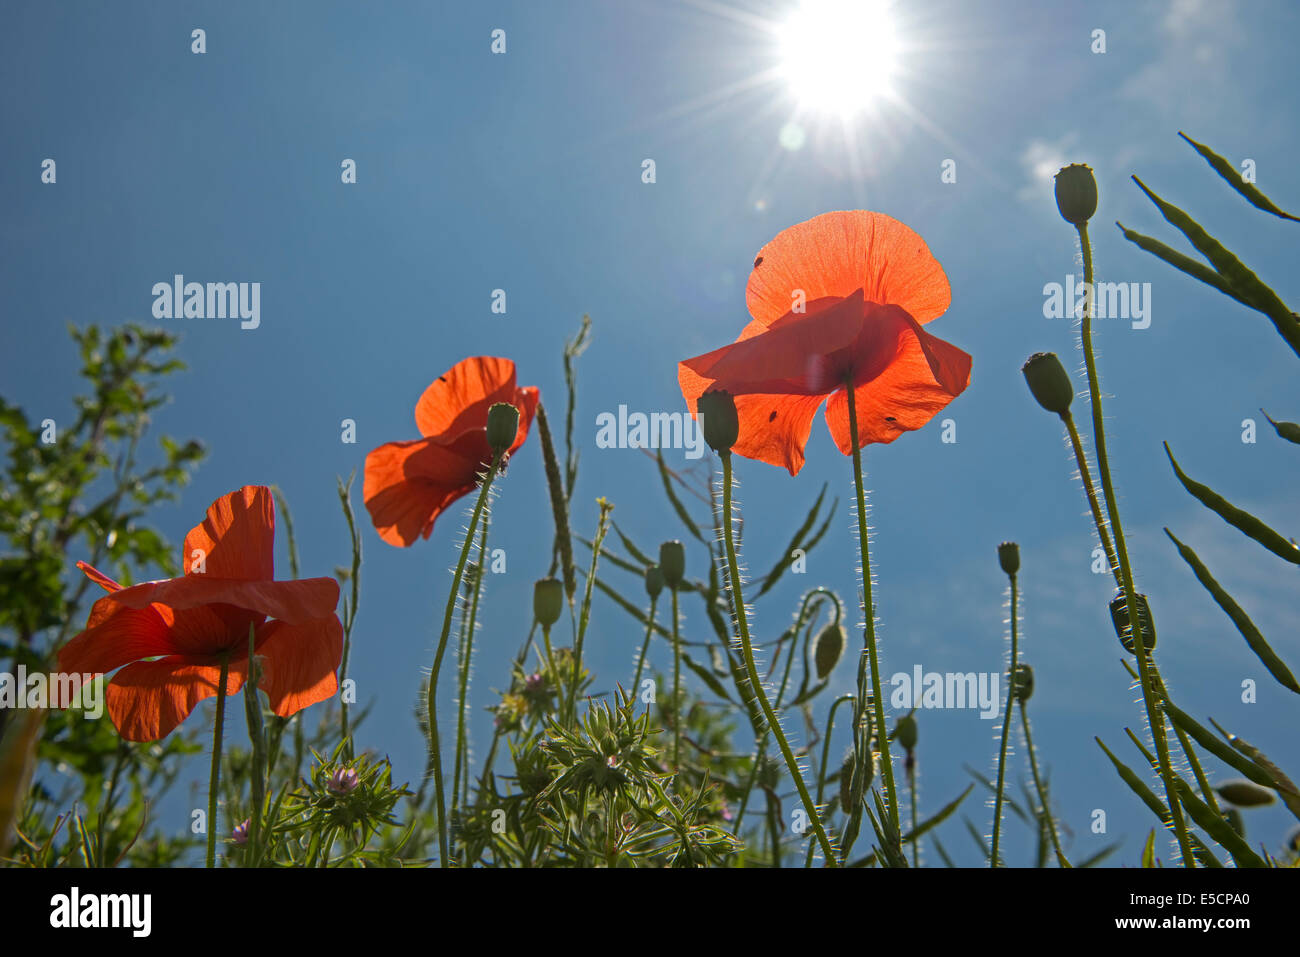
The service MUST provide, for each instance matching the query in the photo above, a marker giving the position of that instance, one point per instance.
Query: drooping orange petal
(775, 428)
(115, 636)
(833, 254)
(459, 399)
(98, 577)
(210, 629)
(148, 699)
(300, 662)
(525, 400)
(293, 601)
(921, 377)
(237, 539)
(408, 484)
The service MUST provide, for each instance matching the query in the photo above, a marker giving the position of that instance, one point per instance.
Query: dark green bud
(1245, 793)
(654, 581)
(672, 562)
(1235, 821)
(1124, 628)
(846, 785)
(502, 426)
(548, 601)
(1022, 683)
(905, 732)
(1009, 557)
(827, 650)
(719, 420)
(1049, 382)
(1076, 193)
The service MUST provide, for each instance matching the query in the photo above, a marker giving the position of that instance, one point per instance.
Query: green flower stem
(431, 697)
(214, 777)
(1082, 459)
(257, 739)
(645, 645)
(584, 618)
(742, 623)
(460, 773)
(1146, 667)
(1006, 727)
(869, 610)
(911, 791)
(826, 752)
(349, 608)
(1042, 792)
(677, 686)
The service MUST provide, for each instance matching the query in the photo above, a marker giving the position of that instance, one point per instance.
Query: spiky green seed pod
(827, 650)
(1022, 682)
(1049, 382)
(1009, 557)
(905, 732)
(672, 562)
(1245, 793)
(719, 420)
(654, 581)
(1124, 628)
(502, 426)
(548, 601)
(1076, 193)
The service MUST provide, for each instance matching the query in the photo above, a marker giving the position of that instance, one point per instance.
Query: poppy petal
(148, 699)
(459, 399)
(300, 662)
(525, 401)
(98, 577)
(919, 376)
(775, 428)
(293, 601)
(833, 254)
(408, 484)
(237, 539)
(115, 636)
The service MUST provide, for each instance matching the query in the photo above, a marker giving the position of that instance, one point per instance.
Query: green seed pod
(548, 601)
(672, 562)
(1049, 382)
(1022, 683)
(1245, 793)
(905, 732)
(1009, 557)
(1235, 821)
(1124, 628)
(1076, 193)
(719, 420)
(654, 581)
(827, 650)
(502, 426)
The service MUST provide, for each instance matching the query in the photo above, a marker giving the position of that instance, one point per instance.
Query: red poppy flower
(409, 484)
(838, 299)
(165, 639)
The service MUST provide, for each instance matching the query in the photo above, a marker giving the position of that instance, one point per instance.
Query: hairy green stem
(1006, 728)
(214, 777)
(1082, 459)
(645, 645)
(1042, 791)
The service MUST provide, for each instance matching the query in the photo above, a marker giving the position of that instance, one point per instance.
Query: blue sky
(522, 172)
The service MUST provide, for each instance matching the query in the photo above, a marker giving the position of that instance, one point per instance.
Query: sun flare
(839, 56)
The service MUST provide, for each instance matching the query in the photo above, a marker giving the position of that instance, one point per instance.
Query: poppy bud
(240, 834)
(1245, 793)
(1076, 193)
(548, 601)
(905, 731)
(1049, 382)
(827, 650)
(672, 563)
(1022, 682)
(654, 581)
(719, 420)
(502, 426)
(1009, 557)
(343, 782)
(1124, 628)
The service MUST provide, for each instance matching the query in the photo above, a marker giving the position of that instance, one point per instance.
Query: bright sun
(839, 55)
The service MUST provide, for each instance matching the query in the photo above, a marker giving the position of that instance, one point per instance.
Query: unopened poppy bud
(1049, 382)
(1245, 793)
(905, 731)
(1009, 557)
(1022, 682)
(502, 426)
(1124, 627)
(240, 834)
(672, 562)
(827, 650)
(654, 581)
(343, 782)
(1076, 193)
(548, 601)
(719, 420)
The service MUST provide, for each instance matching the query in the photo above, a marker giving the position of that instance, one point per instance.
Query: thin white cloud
(1191, 63)
(1040, 161)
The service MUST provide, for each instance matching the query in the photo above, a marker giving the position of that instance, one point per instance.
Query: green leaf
(707, 676)
(1280, 783)
(1232, 176)
(924, 827)
(1215, 825)
(667, 476)
(1287, 430)
(1206, 739)
(787, 558)
(1100, 856)
(1238, 518)
(1181, 262)
(1149, 850)
(630, 547)
(1276, 667)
